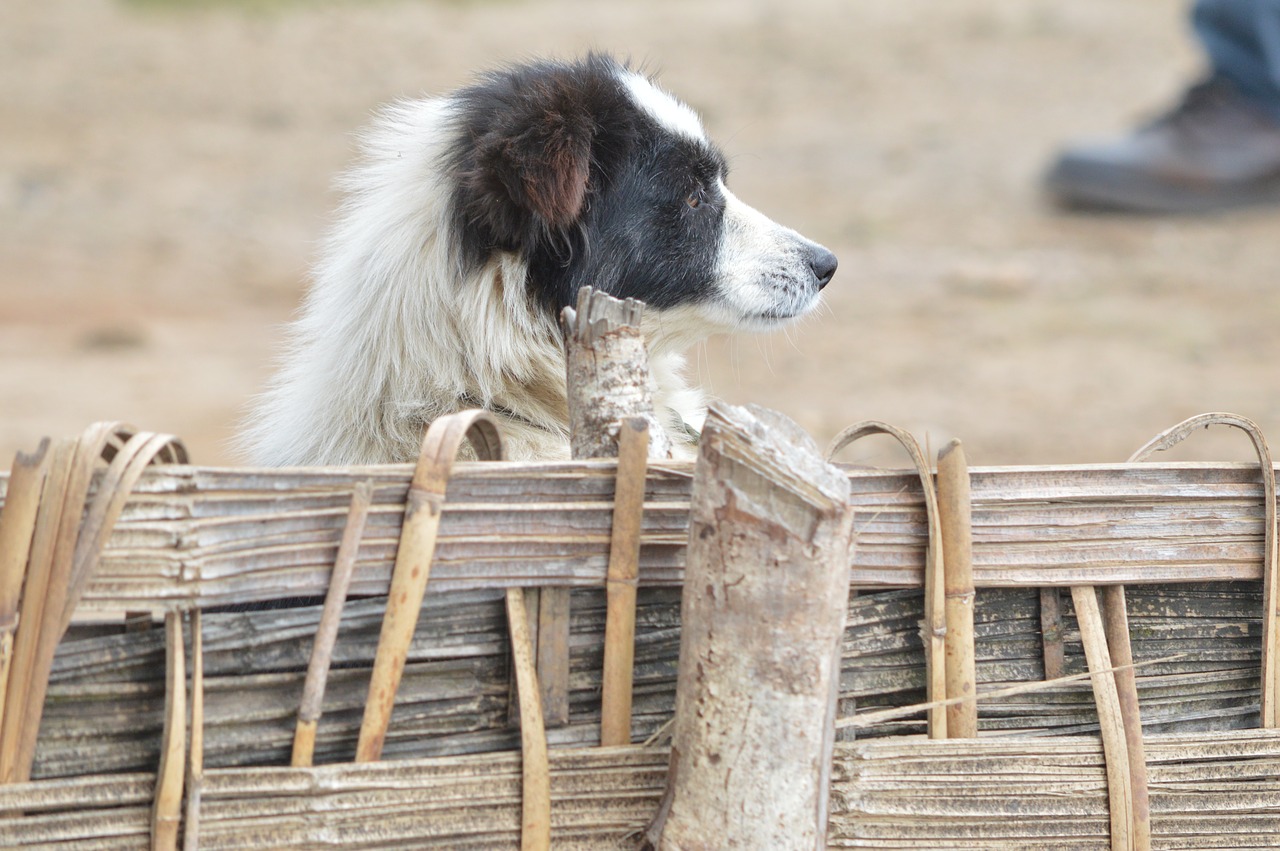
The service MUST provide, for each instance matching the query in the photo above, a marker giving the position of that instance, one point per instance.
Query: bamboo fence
(252, 552)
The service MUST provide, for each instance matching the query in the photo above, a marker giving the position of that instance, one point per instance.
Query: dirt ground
(165, 174)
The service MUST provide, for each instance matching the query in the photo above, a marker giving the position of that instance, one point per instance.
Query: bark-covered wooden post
(765, 595)
(607, 373)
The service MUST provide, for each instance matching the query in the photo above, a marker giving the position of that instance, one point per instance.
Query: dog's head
(594, 176)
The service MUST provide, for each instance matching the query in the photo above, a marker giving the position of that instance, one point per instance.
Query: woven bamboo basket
(165, 633)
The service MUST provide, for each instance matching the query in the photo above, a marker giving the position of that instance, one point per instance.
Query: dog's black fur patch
(550, 152)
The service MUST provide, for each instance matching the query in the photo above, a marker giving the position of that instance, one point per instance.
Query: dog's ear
(530, 164)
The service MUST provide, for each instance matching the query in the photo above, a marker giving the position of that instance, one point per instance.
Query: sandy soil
(165, 172)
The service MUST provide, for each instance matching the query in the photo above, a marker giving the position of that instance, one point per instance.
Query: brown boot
(1216, 150)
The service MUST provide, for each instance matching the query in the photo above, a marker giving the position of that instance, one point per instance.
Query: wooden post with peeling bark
(607, 372)
(608, 375)
(763, 613)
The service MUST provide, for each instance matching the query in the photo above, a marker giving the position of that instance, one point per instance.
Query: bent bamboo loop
(423, 508)
(65, 546)
(935, 624)
(1270, 564)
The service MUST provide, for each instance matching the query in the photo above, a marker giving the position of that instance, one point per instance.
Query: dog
(472, 219)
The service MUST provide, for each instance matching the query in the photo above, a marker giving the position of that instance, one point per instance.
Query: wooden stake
(954, 514)
(607, 375)
(304, 739)
(623, 577)
(763, 614)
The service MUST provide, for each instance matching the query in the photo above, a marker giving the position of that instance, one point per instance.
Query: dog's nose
(823, 263)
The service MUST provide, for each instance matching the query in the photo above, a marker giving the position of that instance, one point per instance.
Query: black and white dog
(473, 219)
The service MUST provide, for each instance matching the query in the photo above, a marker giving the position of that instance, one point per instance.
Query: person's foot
(1215, 150)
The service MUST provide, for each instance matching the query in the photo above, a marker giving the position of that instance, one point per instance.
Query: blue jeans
(1242, 39)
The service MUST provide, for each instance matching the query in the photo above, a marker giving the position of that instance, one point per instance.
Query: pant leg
(1242, 40)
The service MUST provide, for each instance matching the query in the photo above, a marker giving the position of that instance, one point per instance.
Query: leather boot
(1215, 150)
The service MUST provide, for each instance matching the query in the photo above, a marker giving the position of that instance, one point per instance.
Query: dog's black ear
(529, 166)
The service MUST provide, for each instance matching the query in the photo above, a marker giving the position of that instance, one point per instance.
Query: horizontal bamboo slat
(106, 699)
(196, 536)
(1208, 790)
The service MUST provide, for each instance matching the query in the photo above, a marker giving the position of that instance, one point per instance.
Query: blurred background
(166, 173)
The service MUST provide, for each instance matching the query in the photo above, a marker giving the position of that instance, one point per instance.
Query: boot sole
(1127, 191)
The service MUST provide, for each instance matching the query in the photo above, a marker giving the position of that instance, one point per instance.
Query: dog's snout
(823, 263)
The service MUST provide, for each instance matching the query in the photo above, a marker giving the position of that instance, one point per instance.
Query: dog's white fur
(395, 332)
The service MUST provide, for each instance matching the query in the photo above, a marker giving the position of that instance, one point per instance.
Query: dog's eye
(695, 199)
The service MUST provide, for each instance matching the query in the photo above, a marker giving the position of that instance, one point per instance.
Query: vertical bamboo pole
(195, 764)
(955, 516)
(535, 808)
(166, 813)
(623, 577)
(763, 613)
(1051, 633)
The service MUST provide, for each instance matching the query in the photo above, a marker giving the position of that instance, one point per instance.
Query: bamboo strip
(322, 650)
(1051, 632)
(535, 822)
(1115, 621)
(553, 654)
(934, 628)
(126, 465)
(955, 517)
(623, 580)
(24, 690)
(77, 544)
(166, 815)
(17, 526)
(413, 562)
(1110, 717)
(195, 761)
(59, 591)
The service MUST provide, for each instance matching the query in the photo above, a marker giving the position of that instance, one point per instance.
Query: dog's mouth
(767, 320)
